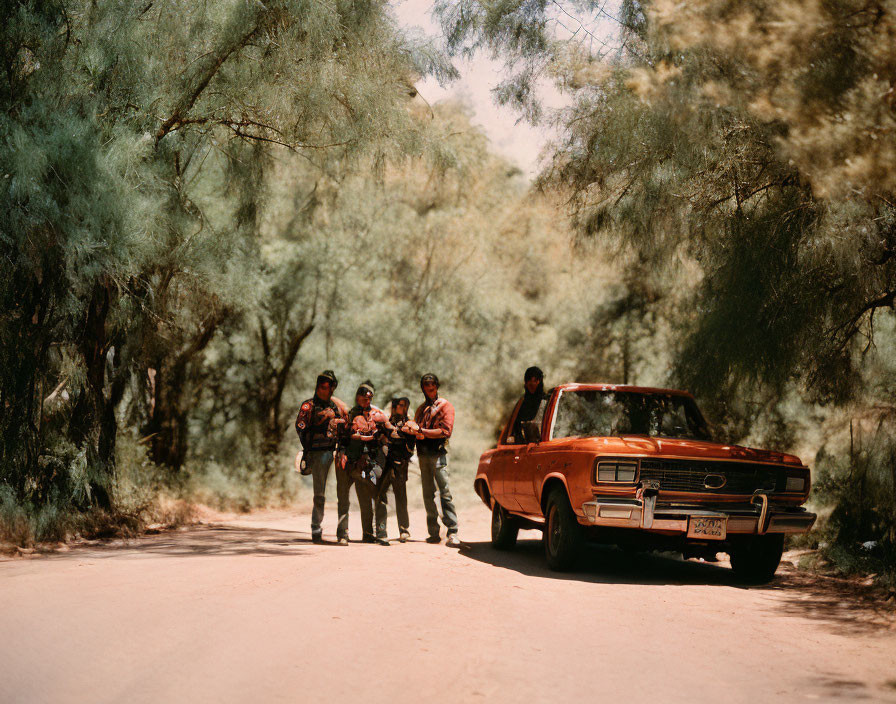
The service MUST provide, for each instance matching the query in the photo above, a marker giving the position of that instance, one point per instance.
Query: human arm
(443, 422)
(303, 423)
(362, 430)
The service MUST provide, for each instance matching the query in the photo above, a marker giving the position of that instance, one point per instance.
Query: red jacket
(433, 415)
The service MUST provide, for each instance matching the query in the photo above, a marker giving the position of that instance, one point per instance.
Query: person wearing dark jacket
(367, 423)
(401, 437)
(317, 424)
(531, 403)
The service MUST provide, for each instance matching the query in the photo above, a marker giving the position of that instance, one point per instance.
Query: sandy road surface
(250, 610)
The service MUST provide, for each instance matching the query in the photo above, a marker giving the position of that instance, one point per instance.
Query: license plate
(705, 528)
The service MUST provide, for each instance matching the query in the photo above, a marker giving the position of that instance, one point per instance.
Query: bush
(858, 483)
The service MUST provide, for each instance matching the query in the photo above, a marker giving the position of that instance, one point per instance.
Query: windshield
(596, 413)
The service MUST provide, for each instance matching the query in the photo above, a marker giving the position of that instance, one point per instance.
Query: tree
(131, 136)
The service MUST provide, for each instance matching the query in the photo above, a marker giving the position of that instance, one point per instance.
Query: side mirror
(531, 431)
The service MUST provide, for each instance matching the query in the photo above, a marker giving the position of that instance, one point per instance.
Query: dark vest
(319, 431)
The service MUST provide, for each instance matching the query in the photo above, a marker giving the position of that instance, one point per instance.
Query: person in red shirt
(435, 418)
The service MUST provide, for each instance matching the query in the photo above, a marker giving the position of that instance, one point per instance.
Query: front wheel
(505, 528)
(755, 559)
(562, 533)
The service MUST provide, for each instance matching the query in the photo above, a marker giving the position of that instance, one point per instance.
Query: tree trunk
(92, 422)
(270, 394)
(172, 399)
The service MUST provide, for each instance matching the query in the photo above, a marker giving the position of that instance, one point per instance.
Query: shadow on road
(843, 604)
(198, 541)
(849, 605)
(604, 565)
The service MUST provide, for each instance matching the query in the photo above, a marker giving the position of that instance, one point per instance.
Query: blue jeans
(318, 461)
(433, 474)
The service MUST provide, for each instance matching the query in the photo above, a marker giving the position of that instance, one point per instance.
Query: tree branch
(202, 74)
(290, 357)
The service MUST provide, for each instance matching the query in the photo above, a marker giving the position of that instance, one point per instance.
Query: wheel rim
(554, 531)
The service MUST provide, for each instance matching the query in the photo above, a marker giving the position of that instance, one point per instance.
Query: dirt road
(251, 610)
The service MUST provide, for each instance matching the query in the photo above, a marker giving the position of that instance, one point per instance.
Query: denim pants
(434, 474)
(318, 461)
(399, 483)
(343, 487)
(367, 498)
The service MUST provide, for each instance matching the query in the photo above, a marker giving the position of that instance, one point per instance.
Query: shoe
(433, 539)
(317, 538)
(368, 539)
(404, 537)
(383, 541)
(452, 541)
(343, 541)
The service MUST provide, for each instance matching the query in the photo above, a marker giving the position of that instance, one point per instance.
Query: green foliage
(133, 139)
(202, 206)
(857, 479)
(739, 157)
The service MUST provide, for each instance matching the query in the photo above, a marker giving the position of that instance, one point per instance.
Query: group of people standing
(372, 451)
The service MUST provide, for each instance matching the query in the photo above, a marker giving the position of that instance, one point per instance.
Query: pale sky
(513, 138)
(516, 140)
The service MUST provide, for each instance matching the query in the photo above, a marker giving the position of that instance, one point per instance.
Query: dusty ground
(248, 609)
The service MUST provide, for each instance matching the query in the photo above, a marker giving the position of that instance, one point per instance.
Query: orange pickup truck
(636, 467)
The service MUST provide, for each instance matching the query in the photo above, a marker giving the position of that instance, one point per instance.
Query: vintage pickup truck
(637, 467)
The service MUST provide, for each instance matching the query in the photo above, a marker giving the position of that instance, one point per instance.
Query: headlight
(795, 484)
(614, 471)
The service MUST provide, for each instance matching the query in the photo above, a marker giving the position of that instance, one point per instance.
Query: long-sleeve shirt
(435, 415)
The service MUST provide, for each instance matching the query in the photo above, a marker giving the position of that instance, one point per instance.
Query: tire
(505, 528)
(755, 559)
(562, 533)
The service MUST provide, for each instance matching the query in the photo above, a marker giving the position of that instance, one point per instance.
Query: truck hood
(642, 445)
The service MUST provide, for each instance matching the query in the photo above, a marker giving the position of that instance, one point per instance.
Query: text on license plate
(707, 528)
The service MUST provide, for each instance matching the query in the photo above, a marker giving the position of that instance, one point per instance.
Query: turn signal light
(795, 484)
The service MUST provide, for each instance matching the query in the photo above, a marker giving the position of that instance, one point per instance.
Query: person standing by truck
(435, 418)
(317, 424)
(532, 402)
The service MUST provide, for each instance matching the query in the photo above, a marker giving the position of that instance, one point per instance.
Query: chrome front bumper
(649, 514)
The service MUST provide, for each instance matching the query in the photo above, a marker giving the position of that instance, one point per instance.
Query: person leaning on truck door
(317, 424)
(435, 416)
(533, 397)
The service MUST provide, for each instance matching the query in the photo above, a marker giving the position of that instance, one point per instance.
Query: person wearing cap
(401, 435)
(435, 418)
(531, 402)
(317, 424)
(367, 424)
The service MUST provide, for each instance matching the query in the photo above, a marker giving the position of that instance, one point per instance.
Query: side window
(508, 436)
(539, 416)
(515, 436)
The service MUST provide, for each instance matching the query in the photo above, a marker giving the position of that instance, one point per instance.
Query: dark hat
(327, 375)
(429, 377)
(533, 372)
(365, 388)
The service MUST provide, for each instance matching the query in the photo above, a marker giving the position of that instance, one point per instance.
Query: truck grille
(707, 477)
